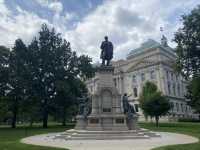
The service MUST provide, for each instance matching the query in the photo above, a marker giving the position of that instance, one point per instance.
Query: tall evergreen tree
(17, 78)
(53, 67)
(4, 67)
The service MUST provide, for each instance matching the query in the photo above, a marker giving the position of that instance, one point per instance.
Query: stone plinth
(107, 111)
(81, 122)
(132, 123)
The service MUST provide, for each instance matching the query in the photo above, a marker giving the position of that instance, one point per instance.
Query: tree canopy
(188, 44)
(44, 76)
(152, 102)
(194, 93)
(188, 52)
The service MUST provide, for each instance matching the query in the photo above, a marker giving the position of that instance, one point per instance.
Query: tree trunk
(64, 117)
(45, 114)
(14, 111)
(157, 120)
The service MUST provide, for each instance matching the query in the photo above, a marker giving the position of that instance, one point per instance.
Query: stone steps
(102, 137)
(106, 135)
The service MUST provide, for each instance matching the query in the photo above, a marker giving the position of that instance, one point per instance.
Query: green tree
(17, 78)
(188, 52)
(152, 102)
(4, 56)
(45, 64)
(86, 70)
(4, 109)
(188, 44)
(67, 91)
(54, 66)
(4, 68)
(194, 94)
(41, 76)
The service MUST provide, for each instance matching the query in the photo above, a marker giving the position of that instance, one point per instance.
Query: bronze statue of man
(106, 51)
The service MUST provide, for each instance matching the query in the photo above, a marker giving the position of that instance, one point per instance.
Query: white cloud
(3, 9)
(24, 25)
(127, 23)
(55, 5)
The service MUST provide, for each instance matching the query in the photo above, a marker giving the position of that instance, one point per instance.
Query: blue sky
(84, 23)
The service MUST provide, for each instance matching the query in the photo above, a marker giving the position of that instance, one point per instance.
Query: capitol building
(154, 62)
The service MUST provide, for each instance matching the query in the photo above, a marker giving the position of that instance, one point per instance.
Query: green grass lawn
(10, 138)
(192, 129)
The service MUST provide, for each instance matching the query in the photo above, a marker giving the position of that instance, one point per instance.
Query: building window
(135, 92)
(182, 108)
(172, 76)
(178, 89)
(134, 79)
(143, 77)
(153, 74)
(174, 88)
(169, 88)
(115, 82)
(167, 74)
(177, 106)
(177, 77)
(172, 106)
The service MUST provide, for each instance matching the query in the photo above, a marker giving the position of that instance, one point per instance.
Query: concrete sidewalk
(134, 144)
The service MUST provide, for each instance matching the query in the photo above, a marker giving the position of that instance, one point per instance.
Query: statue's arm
(112, 49)
(102, 45)
(130, 95)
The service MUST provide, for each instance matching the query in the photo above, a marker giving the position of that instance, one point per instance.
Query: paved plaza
(134, 144)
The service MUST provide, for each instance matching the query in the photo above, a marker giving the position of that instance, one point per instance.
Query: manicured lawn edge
(191, 129)
(10, 139)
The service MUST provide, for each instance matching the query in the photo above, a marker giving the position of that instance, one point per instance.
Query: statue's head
(106, 38)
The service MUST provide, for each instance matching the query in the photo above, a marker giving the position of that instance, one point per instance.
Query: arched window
(134, 79)
(115, 82)
(167, 72)
(174, 88)
(178, 89)
(177, 106)
(172, 105)
(152, 74)
(172, 76)
(182, 108)
(169, 87)
(143, 77)
(135, 92)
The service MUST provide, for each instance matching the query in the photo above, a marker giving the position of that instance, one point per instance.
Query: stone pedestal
(81, 122)
(132, 123)
(107, 111)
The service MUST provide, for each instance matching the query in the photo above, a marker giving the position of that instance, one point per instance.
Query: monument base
(107, 135)
(132, 123)
(107, 123)
(81, 122)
